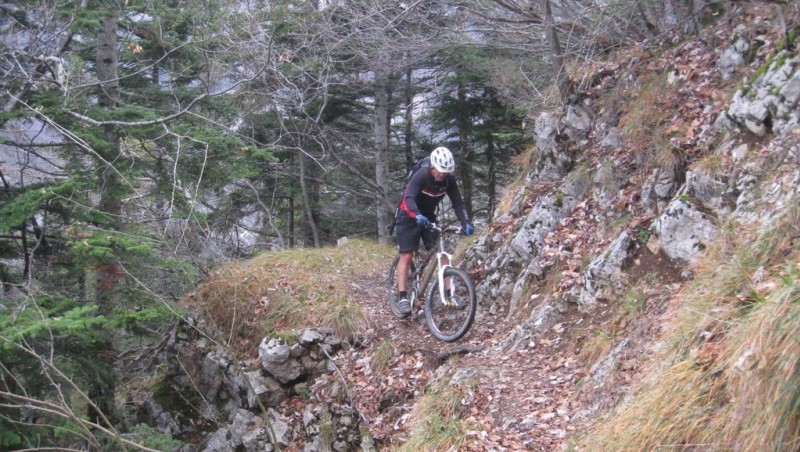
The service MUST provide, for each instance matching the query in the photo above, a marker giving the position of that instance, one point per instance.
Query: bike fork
(440, 275)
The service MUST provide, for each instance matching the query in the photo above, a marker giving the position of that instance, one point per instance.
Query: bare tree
(386, 40)
(571, 30)
(381, 134)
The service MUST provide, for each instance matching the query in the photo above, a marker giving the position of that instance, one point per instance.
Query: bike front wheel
(393, 289)
(450, 320)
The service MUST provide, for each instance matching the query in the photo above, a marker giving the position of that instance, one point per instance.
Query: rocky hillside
(638, 288)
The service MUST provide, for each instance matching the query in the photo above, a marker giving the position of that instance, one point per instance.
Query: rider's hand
(468, 229)
(422, 220)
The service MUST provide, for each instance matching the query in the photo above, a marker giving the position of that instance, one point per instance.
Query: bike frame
(442, 313)
(420, 278)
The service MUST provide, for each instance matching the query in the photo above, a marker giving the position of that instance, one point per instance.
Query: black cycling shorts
(409, 232)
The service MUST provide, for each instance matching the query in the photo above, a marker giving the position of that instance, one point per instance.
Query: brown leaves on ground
(520, 400)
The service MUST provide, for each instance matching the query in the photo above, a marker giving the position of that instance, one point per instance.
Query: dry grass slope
(731, 379)
(278, 292)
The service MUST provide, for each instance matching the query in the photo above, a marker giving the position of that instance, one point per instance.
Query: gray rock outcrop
(242, 402)
(604, 276)
(770, 103)
(684, 231)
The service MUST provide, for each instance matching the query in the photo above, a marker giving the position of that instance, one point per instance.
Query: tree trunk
(101, 390)
(697, 12)
(491, 181)
(106, 58)
(409, 91)
(465, 165)
(559, 69)
(106, 61)
(307, 201)
(381, 129)
(651, 27)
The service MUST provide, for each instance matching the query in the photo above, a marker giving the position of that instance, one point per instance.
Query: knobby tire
(446, 323)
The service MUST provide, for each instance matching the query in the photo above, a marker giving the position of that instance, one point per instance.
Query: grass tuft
(382, 356)
(649, 124)
(345, 318)
(524, 161)
(436, 421)
(643, 118)
(634, 300)
(711, 165)
(598, 345)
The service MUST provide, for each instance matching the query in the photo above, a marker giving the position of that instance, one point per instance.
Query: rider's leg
(402, 271)
(408, 234)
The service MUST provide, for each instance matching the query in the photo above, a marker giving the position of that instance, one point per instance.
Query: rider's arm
(456, 200)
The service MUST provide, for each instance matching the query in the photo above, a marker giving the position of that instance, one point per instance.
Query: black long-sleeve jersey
(423, 193)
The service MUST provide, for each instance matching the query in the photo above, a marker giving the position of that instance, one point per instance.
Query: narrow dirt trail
(520, 400)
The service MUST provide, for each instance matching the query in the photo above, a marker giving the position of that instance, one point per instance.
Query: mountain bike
(449, 293)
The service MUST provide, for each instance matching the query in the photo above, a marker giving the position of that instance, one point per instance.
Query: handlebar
(451, 228)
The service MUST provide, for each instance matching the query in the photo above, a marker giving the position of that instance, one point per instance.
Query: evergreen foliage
(19, 205)
(224, 131)
(48, 349)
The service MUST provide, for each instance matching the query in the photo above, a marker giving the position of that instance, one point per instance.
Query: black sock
(403, 294)
(447, 293)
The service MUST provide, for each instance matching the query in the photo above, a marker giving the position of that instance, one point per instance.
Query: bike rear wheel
(393, 289)
(449, 323)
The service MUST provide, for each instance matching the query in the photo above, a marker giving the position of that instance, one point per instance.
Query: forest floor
(534, 397)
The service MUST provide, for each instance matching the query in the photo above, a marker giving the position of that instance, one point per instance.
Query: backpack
(418, 163)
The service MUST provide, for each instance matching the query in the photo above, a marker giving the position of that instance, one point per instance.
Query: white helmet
(442, 160)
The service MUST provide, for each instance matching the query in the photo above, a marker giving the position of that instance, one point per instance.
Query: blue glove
(468, 229)
(422, 220)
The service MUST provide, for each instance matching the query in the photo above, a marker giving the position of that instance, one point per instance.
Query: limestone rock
(684, 231)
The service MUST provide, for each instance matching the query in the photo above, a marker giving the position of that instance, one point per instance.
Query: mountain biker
(426, 187)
